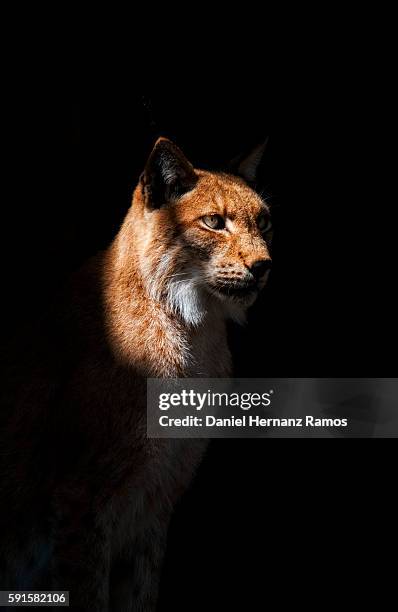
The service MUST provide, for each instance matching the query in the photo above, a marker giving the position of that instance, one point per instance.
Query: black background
(263, 518)
(328, 308)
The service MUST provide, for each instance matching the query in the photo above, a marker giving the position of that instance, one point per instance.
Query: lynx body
(86, 496)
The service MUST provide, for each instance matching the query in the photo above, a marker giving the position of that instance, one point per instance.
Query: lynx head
(204, 236)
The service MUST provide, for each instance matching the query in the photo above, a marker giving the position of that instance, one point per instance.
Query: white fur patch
(185, 298)
(177, 287)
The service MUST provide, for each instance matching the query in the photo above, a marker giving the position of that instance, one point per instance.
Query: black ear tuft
(247, 166)
(167, 175)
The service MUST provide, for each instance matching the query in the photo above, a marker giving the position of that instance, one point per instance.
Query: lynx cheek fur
(95, 495)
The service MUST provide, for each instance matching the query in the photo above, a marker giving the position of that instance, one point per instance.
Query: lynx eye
(215, 222)
(264, 225)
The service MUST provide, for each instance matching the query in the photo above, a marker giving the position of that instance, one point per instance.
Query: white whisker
(178, 274)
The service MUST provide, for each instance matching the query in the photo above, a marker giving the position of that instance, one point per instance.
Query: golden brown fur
(169, 251)
(86, 496)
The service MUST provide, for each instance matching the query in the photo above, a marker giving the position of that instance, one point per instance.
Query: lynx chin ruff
(85, 496)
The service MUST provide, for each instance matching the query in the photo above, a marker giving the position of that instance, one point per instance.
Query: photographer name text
(249, 421)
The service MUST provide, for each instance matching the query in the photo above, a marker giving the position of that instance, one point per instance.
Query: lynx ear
(167, 175)
(247, 167)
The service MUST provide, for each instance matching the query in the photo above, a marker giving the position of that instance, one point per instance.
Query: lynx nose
(260, 267)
